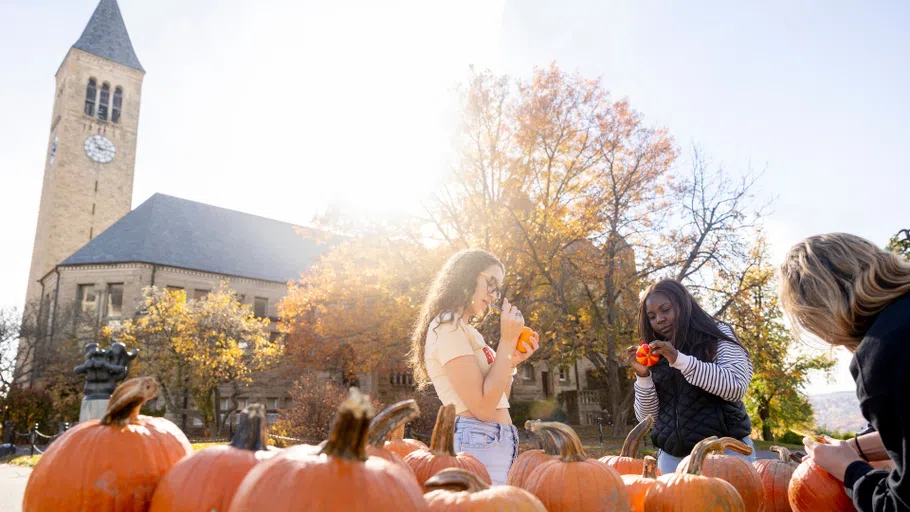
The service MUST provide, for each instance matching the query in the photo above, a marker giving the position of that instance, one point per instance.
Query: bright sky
(279, 107)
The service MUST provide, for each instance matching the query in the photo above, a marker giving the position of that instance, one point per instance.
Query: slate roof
(167, 230)
(105, 35)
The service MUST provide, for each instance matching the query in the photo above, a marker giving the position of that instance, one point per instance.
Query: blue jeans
(494, 444)
(667, 463)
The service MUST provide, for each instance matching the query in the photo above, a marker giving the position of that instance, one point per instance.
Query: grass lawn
(29, 461)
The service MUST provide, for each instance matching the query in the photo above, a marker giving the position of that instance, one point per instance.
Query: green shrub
(791, 437)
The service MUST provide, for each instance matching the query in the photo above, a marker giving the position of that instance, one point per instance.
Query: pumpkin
(441, 452)
(644, 356)
(572, 481)
(625, 463)
(338, 476)
(812, 489)
(397, 444)
(739, 473)
(206, 481)
(391, 418)
(459, 490)
(775, 478)
(112, 464)
(528, 460)
(524, 339)
(690, 491)
(638, 485)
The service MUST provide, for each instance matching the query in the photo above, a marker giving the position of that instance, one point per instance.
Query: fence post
(32, 434)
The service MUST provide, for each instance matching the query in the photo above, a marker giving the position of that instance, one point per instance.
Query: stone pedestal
(92, 409)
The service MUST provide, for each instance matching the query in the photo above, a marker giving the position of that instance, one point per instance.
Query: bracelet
(859, 448)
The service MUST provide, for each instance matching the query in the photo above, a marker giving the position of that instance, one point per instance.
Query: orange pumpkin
(390, 419)
(459, 490)
(441, 452)
(524, 339)
(625, 463)
(812, 489)
(397, 444)
(691, 491)
(113, 464)
(339, 476)
(574, 482)
(528, 460)
(638, 485)
(644, 356)
(207, 480)
(775, 478)
(739, 473)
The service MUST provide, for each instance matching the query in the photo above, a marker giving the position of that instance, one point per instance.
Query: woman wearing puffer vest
(696, 388)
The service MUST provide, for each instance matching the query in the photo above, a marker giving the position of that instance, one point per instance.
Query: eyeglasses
(492, 285)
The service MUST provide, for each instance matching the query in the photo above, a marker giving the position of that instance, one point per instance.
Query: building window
(114, 300)
(288, 403)
(225, 404)
(118, 105)
(91, 93)
(563, 373)
(260, 307)
(528, 372)
(87, 298)
(200, 294)
(271, 404)
(103, 101)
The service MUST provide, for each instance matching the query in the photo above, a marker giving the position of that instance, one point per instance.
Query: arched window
(118, 105)
(91, 92)
(104, 101)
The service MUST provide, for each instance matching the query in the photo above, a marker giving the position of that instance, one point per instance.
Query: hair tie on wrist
(859, 448)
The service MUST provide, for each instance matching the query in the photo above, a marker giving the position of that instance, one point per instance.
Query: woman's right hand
(510, 325)
(639, 369)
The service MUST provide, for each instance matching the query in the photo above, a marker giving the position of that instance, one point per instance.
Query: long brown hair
(450, 292)
(834, 285)
(696, 331)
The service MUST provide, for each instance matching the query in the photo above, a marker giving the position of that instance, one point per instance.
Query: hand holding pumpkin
(664, 348)
(832, 455)
(639, 369)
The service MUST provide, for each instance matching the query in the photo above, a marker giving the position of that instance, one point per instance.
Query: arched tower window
(117, 105)
(104, 101)
(91, 92)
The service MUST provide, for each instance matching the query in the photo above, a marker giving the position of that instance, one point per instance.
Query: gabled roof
(105, 35)
(166, 230)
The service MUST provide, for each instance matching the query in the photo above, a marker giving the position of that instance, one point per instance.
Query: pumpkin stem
(570, 448)
(455, 480)
(252, 431)
(443, 440)
(650, 470)
(127, 399)
(728, 443)
(699, 452)
(348, 437)
(785, 455)
(545, 438)
(392, 420)
(633, 440)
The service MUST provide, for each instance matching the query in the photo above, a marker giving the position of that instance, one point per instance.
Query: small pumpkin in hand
(528, 460)
(338, 476)
(441, 452)
(390, 419)
(524, 339)
(207, 480)
(638, 485)
(734, 470)
(572, 481)
(644, 356)
(775, 478)
(459, 490)
(625, 463)
(113, 464)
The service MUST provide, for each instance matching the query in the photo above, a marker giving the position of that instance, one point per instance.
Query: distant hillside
(838, 411)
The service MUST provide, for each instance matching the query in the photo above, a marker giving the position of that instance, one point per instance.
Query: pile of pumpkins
(127, 462)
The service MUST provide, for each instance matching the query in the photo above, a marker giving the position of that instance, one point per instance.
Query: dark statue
(103, 369)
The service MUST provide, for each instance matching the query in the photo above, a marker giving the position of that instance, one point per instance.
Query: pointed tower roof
(106, 36)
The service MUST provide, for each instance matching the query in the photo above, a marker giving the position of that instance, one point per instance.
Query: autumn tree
(776, 400)
(900, 243)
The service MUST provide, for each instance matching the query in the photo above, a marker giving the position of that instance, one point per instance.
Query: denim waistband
(497, 430)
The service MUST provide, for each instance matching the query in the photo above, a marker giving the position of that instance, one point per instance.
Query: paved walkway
(12, 487)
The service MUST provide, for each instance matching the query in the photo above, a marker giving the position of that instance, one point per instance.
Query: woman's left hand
(518, 357)
(833, 457)
(663, 348)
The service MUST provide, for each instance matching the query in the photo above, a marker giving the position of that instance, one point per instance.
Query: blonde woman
(850, 293)
(447, 351)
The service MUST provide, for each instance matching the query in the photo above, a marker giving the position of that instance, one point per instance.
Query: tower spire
(105, 35)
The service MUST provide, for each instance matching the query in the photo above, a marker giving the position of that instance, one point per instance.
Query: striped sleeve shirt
(727, 377)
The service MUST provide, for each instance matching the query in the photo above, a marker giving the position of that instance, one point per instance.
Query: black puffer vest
(689, 414)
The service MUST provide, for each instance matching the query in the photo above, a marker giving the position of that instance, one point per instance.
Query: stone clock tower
(91, 149)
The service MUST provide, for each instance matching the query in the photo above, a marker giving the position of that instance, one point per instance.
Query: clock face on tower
(99, 148)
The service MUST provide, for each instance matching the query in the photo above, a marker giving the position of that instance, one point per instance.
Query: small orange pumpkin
(739, 473)
(397, 444)
(690, 490)
(113, 464)
(528, 460)
(524, 339)
(441, 452)
(812, 489)
(390, 419)
(644, 356)
(625, 463)
(339, 476)
(459, 490)
(572, 481)
(206, 481)
(638, 485)
(775, 478)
